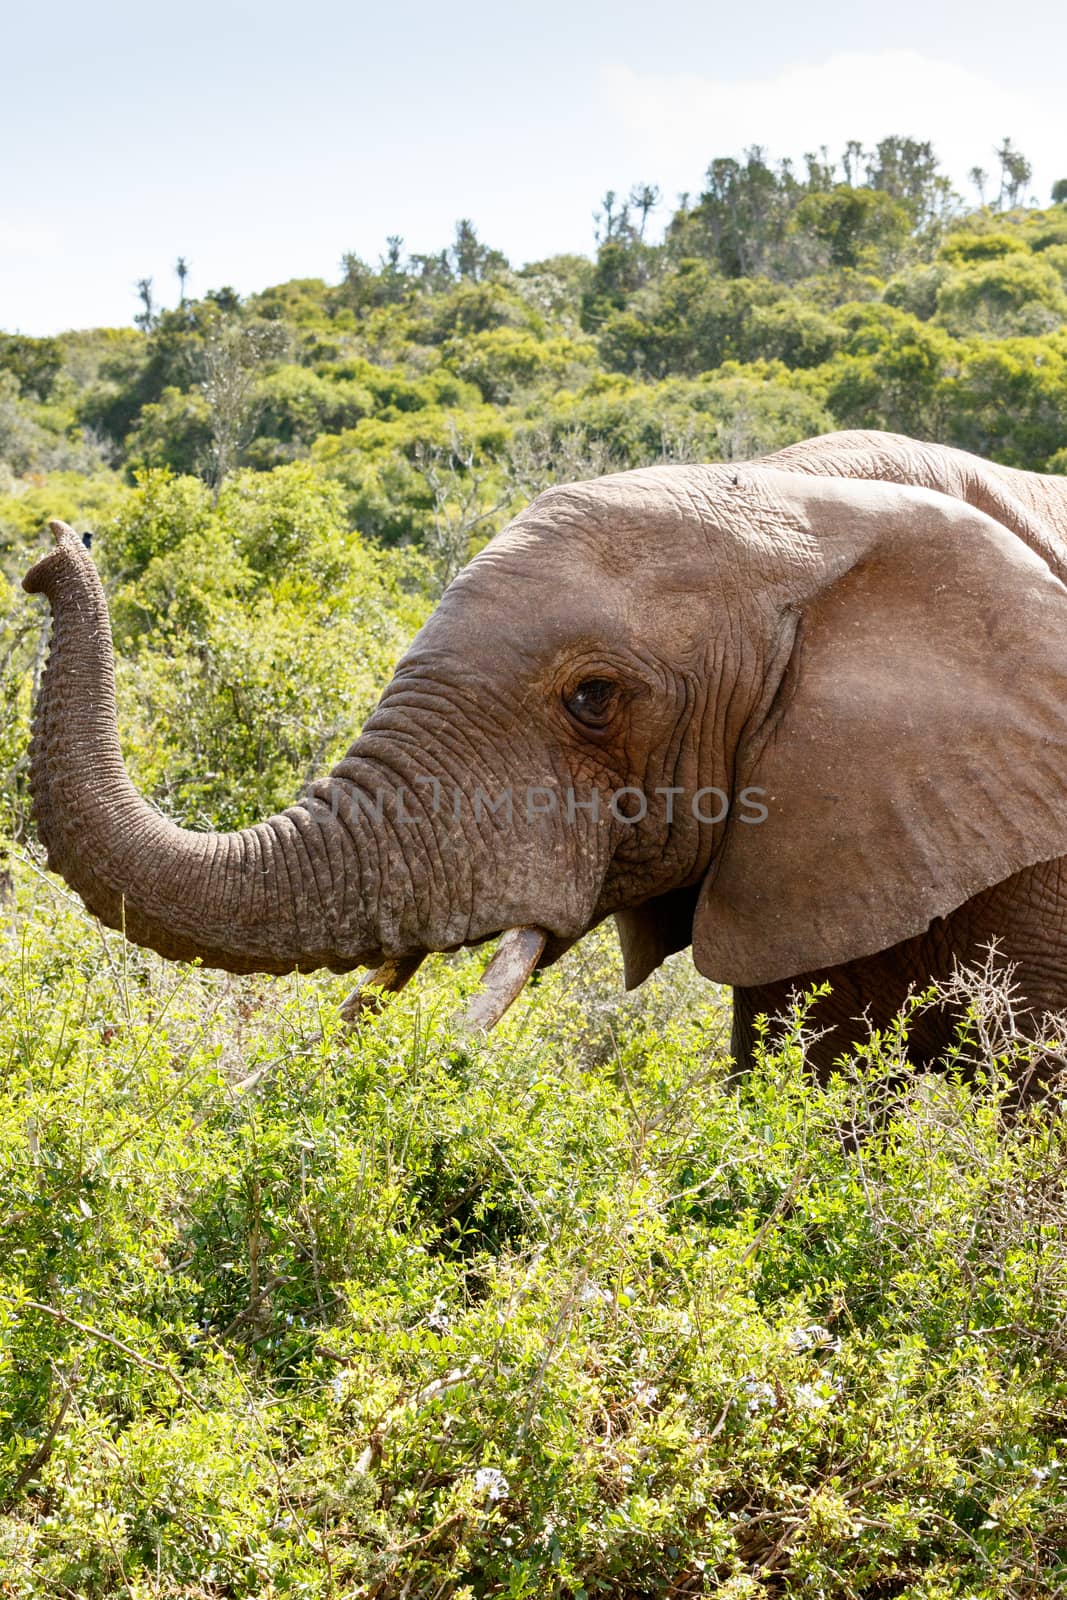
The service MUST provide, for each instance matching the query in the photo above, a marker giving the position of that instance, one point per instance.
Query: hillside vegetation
(292, 1311)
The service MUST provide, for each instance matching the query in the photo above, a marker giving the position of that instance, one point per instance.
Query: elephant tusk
(504, 978)
(369, 994)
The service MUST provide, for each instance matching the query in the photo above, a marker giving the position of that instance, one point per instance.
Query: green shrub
(563, 1313)
(1019, 294)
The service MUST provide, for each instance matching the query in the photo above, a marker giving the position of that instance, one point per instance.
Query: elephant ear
(915, 752)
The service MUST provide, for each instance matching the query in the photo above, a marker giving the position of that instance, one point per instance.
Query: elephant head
(787, 718)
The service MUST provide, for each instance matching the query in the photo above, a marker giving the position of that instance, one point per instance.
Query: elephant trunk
(290, 892)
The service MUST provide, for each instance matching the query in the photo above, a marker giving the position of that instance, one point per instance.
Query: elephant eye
(592, 703)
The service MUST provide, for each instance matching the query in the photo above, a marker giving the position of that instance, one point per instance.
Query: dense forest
(289, 1310)
(411, 408)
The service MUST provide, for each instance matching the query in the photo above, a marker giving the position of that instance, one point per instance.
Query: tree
(1015, 174)
(146, 317)
(820, 169)
(360, 285)
(181, 267)
(470, 257)
(234, 356)
(644, 197)
(1059, 192)
(35, 363)
(741, 221)
(907, 170)
(610, 224)
(392, 278)
(433, 273)
(860, 228)
(464, 497)
(226, 299)
(850, 162)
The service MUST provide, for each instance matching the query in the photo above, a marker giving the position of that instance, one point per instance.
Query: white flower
(646, 1394)
(814, 1337)
(811, 1397)
(759, 1394)
(438, 1318)
(491, 1482)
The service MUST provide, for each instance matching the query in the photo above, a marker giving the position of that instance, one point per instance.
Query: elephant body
(1025, 916)
(859, 643)
(1024, 919)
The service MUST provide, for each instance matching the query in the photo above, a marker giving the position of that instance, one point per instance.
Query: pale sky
(262, 140)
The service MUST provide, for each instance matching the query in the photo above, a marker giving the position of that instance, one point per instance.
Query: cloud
(673, 125)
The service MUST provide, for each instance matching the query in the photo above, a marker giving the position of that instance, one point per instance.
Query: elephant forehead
(498, 632)
(618, 523)
(512, 609)
(659, 526)
(641, 562)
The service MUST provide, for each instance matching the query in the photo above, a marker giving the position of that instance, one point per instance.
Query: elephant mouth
(505, 977)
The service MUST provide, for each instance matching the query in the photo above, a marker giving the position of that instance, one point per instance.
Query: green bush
(505, 361)
(565, 1313)
(964, 248)
(254, 633)
(1015, 295)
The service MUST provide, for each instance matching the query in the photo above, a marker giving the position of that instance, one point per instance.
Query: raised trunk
(290, 892)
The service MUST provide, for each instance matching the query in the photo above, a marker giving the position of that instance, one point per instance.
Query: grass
(568, 1313)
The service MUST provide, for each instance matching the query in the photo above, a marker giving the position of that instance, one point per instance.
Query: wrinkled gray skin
(871, 630)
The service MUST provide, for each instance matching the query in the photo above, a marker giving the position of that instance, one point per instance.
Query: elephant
(805, 713)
